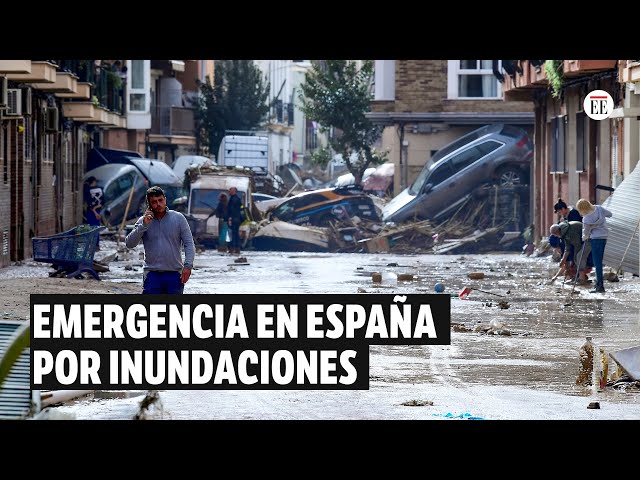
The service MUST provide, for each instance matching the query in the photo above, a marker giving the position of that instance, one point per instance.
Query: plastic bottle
(586, 363)
(603, 370)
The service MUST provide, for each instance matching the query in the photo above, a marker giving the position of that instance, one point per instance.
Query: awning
(177, 65)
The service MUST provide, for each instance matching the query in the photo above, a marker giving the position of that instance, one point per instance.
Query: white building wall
(284, 78)
(138, 96)
(385, 80)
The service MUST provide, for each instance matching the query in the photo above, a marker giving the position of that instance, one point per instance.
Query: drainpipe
(403, 166)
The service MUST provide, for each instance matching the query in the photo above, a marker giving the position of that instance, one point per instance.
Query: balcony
(631, 71)
(172, 121)
(65, 82)
(41, 72)
(576, 68)
(79, 111)
(523, 83)
(15, 66)
(83, 92)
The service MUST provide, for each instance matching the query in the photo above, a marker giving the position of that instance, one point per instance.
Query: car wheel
(510, 176)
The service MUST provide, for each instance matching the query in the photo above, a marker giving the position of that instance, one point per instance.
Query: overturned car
(498, 153)
(322, 207)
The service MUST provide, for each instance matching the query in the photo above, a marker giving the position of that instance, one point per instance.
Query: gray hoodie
(594, 224)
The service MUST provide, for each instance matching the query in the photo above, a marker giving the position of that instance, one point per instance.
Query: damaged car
(322, 207)
(494, 154)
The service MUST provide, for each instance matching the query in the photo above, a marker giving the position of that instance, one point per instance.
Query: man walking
(164, 233)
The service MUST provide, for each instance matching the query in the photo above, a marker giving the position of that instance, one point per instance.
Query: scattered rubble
(489, 219)
(417, 403)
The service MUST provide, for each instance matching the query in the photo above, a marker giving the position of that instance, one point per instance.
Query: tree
(237, 100)
(336, 94)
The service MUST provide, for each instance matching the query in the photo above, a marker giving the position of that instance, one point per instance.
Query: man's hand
(186, 273)
(148, 216)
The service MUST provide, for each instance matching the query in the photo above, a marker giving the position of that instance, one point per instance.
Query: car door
(471, 168)
(436, 192)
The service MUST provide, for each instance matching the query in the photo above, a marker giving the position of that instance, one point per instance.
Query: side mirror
(428, 187)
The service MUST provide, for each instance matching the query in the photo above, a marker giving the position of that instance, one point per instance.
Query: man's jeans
(162, 282)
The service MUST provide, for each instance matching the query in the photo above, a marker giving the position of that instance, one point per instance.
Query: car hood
(396, 203)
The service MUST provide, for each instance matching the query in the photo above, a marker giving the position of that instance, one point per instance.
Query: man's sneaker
(597, 290)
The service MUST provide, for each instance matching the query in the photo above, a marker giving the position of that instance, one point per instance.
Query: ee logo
(598, 105)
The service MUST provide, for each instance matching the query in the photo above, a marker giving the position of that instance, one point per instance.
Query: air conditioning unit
(26, 101)
(4, 86)
(51, 119)
(14, 102)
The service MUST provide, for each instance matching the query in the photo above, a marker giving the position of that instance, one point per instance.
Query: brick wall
(5, 192)
(421, 86)
(116, 138)
(20, 244)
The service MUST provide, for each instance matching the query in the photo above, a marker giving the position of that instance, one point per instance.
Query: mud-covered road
(528, 374)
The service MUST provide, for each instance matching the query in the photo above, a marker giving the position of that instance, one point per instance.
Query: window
(440, 174)
(472, 79)
(311, 199)
(137, 73)
(582, 141)
(136, 102)
(312, 135)
(465, 158)
(138, 91)
(558, 130)
(47, 150)
(489, 146)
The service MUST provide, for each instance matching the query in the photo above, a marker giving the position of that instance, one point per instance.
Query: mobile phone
(149, 209)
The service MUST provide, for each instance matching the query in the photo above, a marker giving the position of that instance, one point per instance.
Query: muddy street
(527, 369)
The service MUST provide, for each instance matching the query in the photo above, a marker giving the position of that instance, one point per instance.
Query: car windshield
(416, 186)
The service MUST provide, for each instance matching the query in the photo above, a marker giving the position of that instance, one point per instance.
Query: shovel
(569, 301)
(555, 276)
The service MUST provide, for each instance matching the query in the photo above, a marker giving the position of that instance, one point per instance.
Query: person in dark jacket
(223, 218)
(234, 212)
(570, 215)
(571, 234)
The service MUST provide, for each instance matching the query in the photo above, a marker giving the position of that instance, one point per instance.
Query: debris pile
(488, 218)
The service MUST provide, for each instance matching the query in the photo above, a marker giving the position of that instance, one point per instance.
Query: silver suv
(495, 153)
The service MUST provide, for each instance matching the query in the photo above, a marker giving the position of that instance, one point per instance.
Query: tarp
(623, 234)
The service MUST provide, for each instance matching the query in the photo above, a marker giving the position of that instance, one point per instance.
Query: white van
(249, 151)
(204, 193)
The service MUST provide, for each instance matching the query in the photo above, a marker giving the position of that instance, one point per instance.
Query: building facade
(51, 113)
(425, 104)
(575, 157)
